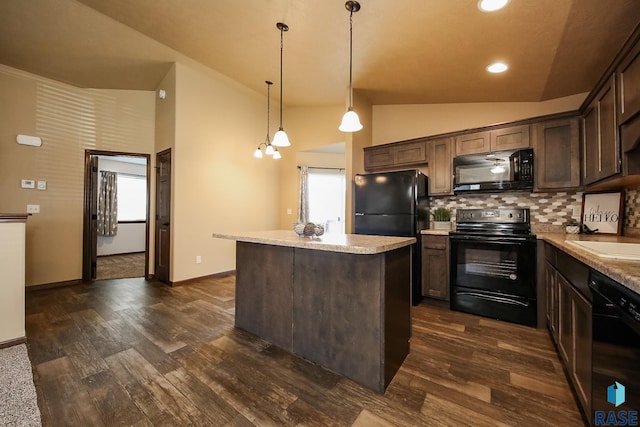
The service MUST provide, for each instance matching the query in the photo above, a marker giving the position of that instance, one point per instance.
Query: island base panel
(397, 310)
(264, 277)
(352, 313)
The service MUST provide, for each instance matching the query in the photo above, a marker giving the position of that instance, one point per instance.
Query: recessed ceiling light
(491, 5)
(497, 67)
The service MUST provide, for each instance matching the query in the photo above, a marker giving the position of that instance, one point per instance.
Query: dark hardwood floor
(120, 266)
(131, 352)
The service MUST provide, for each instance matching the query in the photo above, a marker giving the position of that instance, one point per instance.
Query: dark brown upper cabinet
(601, 146)
(395, 155)
(508, 138)
(628, 77)
(440, 166)
(556, 147)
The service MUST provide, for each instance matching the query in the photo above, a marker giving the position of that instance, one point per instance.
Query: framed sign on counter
(602, 212)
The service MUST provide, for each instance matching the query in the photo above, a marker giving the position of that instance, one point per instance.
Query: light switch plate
(42, 185)
(28, 183)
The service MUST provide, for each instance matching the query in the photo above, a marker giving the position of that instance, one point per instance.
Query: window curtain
(108, 204)
(303, 203)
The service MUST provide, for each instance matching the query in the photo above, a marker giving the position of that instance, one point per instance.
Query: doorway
(124, 251)
(326, 189)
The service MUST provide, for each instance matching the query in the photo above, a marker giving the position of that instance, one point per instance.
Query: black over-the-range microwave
(497, 171)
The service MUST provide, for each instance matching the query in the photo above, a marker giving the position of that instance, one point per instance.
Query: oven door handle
(494, 298)
(511, 240)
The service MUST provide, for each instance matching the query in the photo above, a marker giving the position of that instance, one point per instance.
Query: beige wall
(217, 183)
(308, 128)
(399, 122)
(165, 136)
(69, 120)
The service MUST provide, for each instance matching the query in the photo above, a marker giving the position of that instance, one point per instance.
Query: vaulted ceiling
(405, 52)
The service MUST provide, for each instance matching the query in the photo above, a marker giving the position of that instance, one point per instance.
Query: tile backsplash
(549, 211)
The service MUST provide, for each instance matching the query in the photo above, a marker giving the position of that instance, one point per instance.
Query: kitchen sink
(614, 250)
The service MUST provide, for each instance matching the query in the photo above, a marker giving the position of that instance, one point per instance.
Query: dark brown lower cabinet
(435, 266)
(552, 300)
(582, 339)
(571, 329)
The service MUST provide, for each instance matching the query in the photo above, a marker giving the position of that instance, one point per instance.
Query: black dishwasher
(615, 389)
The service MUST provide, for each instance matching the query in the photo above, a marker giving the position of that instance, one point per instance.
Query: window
(132, 197)
(327, 198)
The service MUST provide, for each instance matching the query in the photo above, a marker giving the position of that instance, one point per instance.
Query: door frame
(160, 250)
(91, 185)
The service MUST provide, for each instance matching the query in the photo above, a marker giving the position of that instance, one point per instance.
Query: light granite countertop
(624, 271)
(347, 243)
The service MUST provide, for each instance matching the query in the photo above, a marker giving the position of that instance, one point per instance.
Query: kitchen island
(342, 301)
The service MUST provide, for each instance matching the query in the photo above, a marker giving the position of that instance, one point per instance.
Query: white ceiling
(405, 51)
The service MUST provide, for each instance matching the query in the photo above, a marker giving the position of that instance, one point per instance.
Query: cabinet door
(590, 146)
(610, 145)
(440, 166)
(565, 320)
(479, 142)
(556, 146)
(601, 145)
(412, 153)
(552, 300)
(582, 339)
(510, 138)
(628, 75)
(435, 267)
(378, 157)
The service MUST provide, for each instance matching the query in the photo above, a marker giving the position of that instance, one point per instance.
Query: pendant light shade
(269, 149)
(280, 139)
(350, 120)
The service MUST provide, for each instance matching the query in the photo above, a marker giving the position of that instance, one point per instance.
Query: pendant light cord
(268, 109)
(350, 59)
(281, 48)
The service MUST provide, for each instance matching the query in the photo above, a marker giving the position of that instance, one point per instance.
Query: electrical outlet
(198, 259)
(42, 185)
(33, 208)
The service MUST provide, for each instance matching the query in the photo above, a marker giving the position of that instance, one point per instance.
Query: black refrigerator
(394, 204)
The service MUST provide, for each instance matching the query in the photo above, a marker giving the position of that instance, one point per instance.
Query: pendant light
(280, 139)
(350, 120)
(269, 149)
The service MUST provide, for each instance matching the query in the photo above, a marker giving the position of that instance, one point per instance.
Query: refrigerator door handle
(359, 214)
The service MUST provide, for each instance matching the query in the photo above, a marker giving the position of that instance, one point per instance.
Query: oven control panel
(510, 215)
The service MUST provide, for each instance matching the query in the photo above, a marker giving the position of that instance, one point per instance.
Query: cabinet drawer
(434, 242)
(575, 272)
(550, 254)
